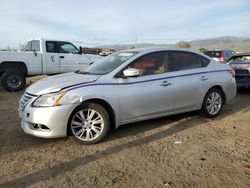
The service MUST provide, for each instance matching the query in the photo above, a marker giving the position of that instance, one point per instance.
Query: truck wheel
(13, 80)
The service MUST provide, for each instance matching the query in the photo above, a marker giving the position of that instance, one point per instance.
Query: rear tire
(13, 80)
(89, 123)
(213, 103)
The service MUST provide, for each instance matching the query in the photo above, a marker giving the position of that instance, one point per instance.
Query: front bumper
(46, 122)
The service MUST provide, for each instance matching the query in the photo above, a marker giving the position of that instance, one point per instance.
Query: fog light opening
(40, 127)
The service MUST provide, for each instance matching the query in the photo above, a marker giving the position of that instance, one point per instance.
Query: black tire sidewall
(8, 73)
(101, 110)
(204, 107)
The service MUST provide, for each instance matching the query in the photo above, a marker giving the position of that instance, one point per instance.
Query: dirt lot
(186, 150)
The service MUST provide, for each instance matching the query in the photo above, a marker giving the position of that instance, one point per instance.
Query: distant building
(98, 51)
(91, 50)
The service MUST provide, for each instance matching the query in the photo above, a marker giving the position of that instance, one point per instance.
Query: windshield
(108, 63)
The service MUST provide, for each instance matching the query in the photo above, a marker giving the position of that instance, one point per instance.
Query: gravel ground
(185, 150)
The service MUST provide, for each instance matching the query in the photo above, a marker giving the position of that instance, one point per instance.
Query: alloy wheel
(87, 124)
(214, 103)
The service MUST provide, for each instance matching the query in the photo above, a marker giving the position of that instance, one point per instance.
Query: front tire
(213, 103)
(13, 80)
(89, 123)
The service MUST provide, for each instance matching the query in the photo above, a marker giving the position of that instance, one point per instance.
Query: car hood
(58, 82)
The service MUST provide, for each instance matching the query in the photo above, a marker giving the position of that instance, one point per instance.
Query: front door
(51, 64)
(70, 58)
(148, 94)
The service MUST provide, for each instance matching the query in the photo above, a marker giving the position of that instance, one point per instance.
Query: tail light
(222, 58)
(232, 72)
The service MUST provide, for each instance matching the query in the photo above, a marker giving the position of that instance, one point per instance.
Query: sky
(95, 23)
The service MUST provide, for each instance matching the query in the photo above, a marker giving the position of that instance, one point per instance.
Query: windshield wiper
(82, 72)
(90, 73)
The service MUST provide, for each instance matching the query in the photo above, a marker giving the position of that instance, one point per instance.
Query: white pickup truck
(41, 57)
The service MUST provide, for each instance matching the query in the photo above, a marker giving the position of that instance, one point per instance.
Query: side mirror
(80, 50)
(131, 72)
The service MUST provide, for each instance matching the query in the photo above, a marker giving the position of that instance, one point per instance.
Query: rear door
(51, 61)
(70, 58)
(191, 75)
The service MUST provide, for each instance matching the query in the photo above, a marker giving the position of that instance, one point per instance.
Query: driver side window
(66, 47)
(153, 63)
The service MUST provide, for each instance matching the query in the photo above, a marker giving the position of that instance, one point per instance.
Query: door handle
(165, 84)
(204, 78)
(62, 57)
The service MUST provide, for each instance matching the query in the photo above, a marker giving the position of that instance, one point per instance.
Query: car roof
(156, 49)
(238, 55)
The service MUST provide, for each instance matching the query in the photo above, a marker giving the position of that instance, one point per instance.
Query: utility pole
(135, 40)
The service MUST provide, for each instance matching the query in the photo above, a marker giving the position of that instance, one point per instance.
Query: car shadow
(147, 125)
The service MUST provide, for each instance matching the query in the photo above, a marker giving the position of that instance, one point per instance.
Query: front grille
(241, 71)
(25, 99)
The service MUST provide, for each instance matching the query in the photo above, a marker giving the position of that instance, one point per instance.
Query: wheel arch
(105, 105)
(222, 91)
(17, 65)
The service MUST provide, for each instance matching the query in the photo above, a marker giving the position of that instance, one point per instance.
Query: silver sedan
(125, 87)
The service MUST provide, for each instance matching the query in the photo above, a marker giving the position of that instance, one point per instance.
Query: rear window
(180, 60)
(51, 46)
(33, 45)
(216, 54)
(204, 61)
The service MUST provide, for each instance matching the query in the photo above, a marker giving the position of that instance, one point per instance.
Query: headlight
(47, 100)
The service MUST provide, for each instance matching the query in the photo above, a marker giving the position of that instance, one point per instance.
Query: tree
(8, 48)
(202, 50)
(183, 44)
